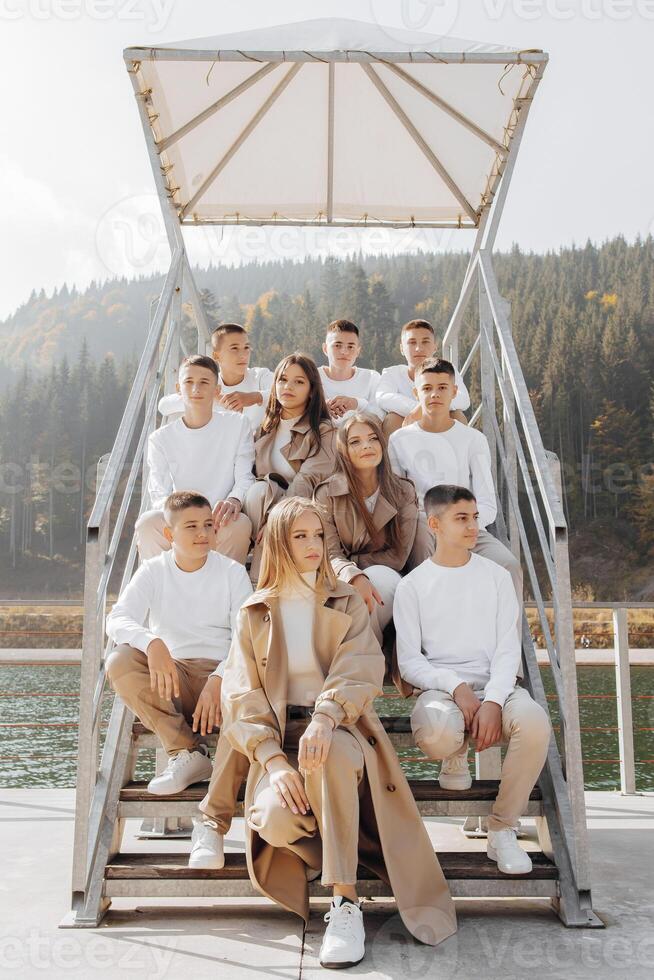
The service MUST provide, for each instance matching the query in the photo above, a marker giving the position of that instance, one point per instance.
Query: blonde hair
(278, 570)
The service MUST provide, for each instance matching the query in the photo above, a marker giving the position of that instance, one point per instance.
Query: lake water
(39, 709)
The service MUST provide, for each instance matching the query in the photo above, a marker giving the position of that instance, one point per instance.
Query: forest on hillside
(583, 322)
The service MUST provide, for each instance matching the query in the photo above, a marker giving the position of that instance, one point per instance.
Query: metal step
(432, 801)
(470, 874)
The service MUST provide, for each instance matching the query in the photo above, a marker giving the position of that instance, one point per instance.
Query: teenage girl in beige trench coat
(370, 517)
(302, 791)
(294, 448)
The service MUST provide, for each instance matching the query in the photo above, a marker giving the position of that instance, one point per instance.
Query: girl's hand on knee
(288, 785)
(315, 743)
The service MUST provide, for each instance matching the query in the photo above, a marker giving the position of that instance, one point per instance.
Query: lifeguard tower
(337, 124)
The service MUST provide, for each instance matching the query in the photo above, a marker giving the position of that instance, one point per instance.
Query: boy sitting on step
(456, 617)
(347, 388)
(173, 629)
(211, 452)
(396, 395)
(241, 388)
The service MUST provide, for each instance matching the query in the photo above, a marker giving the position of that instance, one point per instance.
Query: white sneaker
(344, 942)
(503, 847)
(455, 772)
(182, 770)
(207, 849)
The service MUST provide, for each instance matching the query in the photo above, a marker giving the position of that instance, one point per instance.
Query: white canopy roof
(332, 122)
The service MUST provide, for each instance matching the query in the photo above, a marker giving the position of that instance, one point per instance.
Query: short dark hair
(436, 365)
(343, 326)
(223, 330)
(437, 498)
(182, 500)
(200, 360)
(417, 325)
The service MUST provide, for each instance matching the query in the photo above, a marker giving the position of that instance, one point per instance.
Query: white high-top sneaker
(182, 770)
(503, 847)
(455, 772)
(344, 942)
(207, 850)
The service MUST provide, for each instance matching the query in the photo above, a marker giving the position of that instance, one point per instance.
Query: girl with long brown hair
(294, 447)
(370, 517)
(325, 790)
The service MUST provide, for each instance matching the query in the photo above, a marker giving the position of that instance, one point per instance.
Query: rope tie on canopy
(211, 68)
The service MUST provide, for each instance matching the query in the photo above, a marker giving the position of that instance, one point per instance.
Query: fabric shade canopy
(332, 122)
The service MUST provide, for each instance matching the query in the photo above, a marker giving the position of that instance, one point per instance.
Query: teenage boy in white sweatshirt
(396, 389)
(206, 451)
(173, 629)
(241, 388)
(439, 449)
(456, 618)
(347, 388)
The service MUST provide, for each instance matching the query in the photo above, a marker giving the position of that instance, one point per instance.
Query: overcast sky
(73, 159)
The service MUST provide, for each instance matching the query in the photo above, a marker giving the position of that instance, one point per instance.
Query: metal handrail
(107, 490)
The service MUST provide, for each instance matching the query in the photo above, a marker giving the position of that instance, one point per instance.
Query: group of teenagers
(310, 531)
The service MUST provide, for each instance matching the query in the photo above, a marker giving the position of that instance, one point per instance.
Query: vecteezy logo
(416, 16)
(131, 239)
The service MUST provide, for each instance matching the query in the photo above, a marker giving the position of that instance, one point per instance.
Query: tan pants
(232, 539)
(332, 826)
(439, 730)
(386, 581)
(260, 497)
(127, 670)
(488, 546)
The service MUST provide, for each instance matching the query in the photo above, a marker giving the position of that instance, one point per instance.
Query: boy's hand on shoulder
(468, 703)
(163, 670)
(487, 726)
(207, 714)
(226, 511)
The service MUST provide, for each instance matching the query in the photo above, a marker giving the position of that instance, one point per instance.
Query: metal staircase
(107, 794)
(530, 520)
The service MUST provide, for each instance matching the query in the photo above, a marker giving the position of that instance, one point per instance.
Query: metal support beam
(623, 697)
(330, 143)
(421, 143)
(240, 140)
(215, 107)
(449, 109)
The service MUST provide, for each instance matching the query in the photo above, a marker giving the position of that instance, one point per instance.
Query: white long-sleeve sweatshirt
(458, 625)
(395, 391)
(194, 613)
(216, 460)
(460, 456)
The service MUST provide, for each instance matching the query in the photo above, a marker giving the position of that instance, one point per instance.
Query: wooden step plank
(422, 789)
(432, 801)
(212, 888)
(455, 864)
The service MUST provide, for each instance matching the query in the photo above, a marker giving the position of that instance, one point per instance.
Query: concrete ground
(233, 940)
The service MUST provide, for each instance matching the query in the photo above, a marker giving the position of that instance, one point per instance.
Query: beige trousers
(386, 581)
(439, 730)
(332, 826)
(232, 539)
(260, 497)
(487, 546)
(127, 670)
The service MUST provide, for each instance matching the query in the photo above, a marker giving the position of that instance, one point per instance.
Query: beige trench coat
(393, 841)
(349, 545)
(310, 466)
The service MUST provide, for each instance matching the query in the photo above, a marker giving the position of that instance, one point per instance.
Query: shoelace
(341, 919)
(178, 761)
